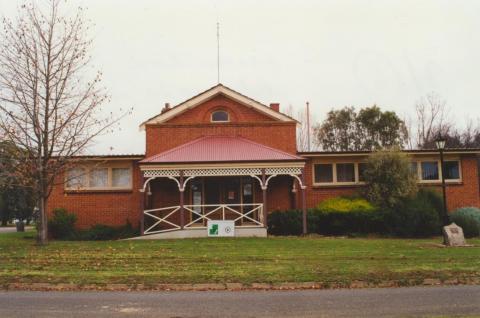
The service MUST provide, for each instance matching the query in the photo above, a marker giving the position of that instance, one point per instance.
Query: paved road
(10, 229)
(399, 302)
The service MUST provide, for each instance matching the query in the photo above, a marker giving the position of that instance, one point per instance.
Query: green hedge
(468, 219)
(418, 216)
(62, 227)
(414, 217)
(62, 224)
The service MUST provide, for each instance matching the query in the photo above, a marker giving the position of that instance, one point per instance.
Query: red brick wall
(316, 194)
(245, 122)
(466, 193)
(237, 111)
(110, 208)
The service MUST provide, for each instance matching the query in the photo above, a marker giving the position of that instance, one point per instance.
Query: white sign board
(220, 228)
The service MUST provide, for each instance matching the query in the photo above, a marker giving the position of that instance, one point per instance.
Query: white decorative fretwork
(207, 172)
(161, 173)
(283, 171)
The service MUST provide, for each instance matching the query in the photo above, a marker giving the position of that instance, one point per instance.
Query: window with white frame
(345, 172)
(452, 170)
(430, 170)
(362, 166)
(351, 173)
(341, 173)
(220, 116)
(99, 178)
(323, 173)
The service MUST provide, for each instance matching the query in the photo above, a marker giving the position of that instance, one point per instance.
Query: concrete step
(202, 232)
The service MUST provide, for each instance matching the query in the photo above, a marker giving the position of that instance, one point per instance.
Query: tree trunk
(42, 236)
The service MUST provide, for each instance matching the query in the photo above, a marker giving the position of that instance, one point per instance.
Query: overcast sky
(330, 53)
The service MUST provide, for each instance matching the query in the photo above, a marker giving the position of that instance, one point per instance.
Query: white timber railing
(167, 218)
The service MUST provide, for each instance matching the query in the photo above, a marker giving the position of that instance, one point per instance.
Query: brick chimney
(166, 108)
(275, 106)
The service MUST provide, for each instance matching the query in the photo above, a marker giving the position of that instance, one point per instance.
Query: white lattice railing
(167, 218)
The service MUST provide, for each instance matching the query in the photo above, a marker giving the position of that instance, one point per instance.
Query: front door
(213, 191)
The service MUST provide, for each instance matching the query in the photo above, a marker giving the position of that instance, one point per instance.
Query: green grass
(244, 260)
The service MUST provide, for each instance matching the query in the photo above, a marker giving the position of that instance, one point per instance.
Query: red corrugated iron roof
(221, 149)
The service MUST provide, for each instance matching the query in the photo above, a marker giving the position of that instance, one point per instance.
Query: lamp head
(440, 143)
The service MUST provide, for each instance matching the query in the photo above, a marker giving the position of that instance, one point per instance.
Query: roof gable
(211, 93)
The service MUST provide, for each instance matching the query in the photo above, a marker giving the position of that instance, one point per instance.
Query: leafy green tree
(389, 178)
(369, 129)
(16, 192)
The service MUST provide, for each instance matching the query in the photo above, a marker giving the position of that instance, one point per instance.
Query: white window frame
(220, 121)
(440, 172)
(334, 174)
(109, 187)
(357, 172)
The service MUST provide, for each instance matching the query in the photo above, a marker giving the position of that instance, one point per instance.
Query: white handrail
(223, 208)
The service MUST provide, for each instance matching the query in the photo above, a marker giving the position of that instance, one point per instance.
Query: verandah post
(304, 203)
(142, 204)
(264, 189)
(182, 198)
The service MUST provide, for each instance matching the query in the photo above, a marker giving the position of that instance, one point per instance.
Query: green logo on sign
(214, 229)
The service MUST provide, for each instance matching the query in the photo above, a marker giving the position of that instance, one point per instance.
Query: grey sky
(331, 53)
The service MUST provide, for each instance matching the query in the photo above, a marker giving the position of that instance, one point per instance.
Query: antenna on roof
(218, 52)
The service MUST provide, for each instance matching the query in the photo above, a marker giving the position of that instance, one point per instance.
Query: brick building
(224, 156)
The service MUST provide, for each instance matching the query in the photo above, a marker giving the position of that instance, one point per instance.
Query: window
(452, 170)
(341, 173)
(121, 177)
(353, 173)
(220, 116)
(345, 172)
(362, 166)
(99, 178)
(323, 173)
(76, 178)
(430, 170)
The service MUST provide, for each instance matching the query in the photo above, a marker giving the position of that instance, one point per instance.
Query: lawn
(243, 260)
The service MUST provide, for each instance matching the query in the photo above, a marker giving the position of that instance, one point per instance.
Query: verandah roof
(221, 149)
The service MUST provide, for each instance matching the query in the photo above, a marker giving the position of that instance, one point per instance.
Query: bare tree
(431, 119)
(47, 107)
(302, 129)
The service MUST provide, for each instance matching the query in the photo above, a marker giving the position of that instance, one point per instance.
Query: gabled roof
(210, 93)
(221, 149)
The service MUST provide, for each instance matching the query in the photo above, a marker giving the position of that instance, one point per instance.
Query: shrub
(101, 232)
(417, 216)
(62, 224)
(345, 205)
(468, 219)
(346, 216)
(337, 216)
(290, 222)
(389, 178)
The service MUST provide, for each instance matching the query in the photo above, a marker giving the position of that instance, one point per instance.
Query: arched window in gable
(220, 116)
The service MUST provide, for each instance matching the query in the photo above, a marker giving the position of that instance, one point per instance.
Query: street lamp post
(440, 143)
